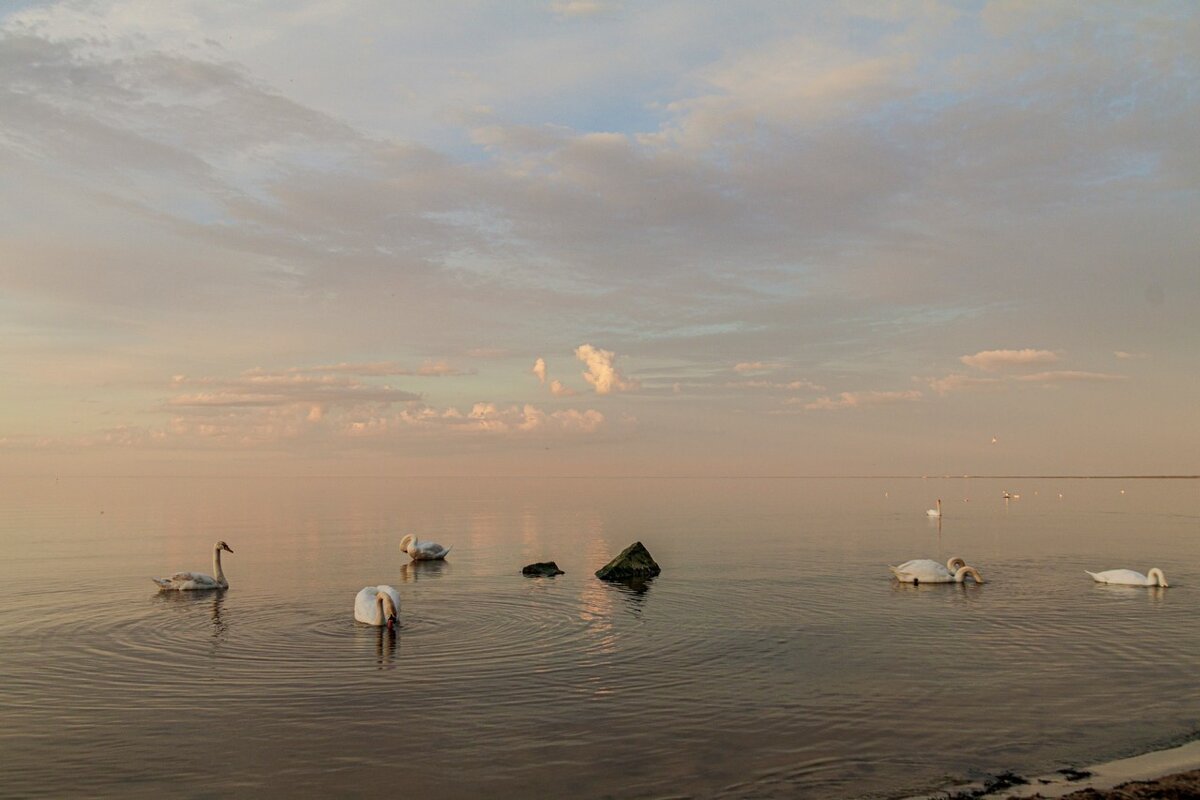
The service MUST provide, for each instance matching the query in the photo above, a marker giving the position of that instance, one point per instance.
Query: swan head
(222, 546)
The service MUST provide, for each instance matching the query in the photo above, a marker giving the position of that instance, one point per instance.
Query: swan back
(367, 606)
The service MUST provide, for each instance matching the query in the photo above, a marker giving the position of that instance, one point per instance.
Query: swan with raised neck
(192, 581)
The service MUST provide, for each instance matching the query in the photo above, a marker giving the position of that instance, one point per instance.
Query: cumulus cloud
(862, 400)
(539, 369)
(559, 390)
(993, 360)
(602, 372)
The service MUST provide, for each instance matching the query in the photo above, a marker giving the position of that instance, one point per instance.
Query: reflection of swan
(935, 512)
(1128, 577)
(924, 570)
(415, 570)
(377, 605)
(423, 551)
(187, 581)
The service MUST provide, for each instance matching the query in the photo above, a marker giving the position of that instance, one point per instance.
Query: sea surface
(773, 657)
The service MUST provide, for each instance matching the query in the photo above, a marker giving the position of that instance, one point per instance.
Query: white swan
(423, 551)
(378, 606)
(188, 581)
(935, 512)
(1128, 577)
(924, 570)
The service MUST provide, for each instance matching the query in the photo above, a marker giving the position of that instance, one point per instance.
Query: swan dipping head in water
(192, 581)
(378, 606)
(1129, 577)
(925, 570)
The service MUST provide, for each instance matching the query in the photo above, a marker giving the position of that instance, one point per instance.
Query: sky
(595, 238)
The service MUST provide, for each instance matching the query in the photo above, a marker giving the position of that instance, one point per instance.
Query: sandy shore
(1180, 786)
(1172, 774)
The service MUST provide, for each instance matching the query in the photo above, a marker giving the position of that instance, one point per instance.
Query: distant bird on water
(935, 512)
(1129, 577)
(423, 551)
(192, 581)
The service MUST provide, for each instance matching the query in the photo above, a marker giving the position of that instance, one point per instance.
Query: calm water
(774, 657)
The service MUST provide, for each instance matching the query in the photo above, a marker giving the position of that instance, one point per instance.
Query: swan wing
(365, 609)
(923, 570)
(428, 551)
(186, 581)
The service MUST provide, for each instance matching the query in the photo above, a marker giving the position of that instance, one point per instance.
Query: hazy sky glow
(599, 238)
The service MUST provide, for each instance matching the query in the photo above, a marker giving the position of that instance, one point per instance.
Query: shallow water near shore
(774, 656)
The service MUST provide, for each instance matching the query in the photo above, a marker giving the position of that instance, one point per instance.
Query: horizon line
(635, 476)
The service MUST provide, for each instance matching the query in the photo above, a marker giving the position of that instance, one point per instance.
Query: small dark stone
(634, 561)
(1072, 774)
(542, 569)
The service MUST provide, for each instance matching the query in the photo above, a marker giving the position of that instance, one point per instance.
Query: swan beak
(391, 623)
(226, 547)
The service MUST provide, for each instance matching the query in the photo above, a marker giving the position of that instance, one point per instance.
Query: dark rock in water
(634, 561)
(542, 569)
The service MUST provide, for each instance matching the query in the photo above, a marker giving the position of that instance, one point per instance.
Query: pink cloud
(559, 390)
(754, 366)
(1071, 376)
(992, 360)
(958, 382)
(539, 369)
(862, 400)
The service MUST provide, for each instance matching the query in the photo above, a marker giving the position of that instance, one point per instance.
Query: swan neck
(386, 607)
(961, 575)
(218, 573)
(1156, 577)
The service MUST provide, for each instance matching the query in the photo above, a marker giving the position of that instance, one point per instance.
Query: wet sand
(1174, 772)
(1180, 786)
(1171, 774)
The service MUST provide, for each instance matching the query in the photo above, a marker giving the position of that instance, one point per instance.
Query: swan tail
(895, 571)
(446, 552)
(1094, 576)
(163, 583)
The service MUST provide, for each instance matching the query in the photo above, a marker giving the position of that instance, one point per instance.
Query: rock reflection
(633, 592)
(415, 570)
